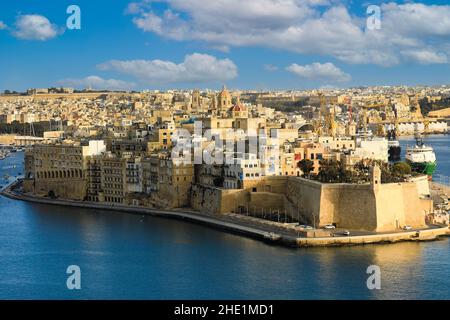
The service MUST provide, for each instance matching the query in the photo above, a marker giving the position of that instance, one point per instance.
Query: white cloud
(133, 8)
(416, 19)
(425, 56)
(138, 7)
(34, 27)
(3, 25)
(96, 82)
(304, 26)
(195, 68)
(318, 71)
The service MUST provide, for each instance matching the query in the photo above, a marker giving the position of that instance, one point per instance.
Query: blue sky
(259, 44)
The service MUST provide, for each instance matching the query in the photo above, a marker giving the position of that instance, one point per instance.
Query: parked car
(329, 227)
(407, 228)
(309, 228)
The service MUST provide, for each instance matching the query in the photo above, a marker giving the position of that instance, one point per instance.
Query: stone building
(94, 178)
(167, 181)
(59, 170)
(162, 137)
(56, 171)
(224, 101)
(112, 179)
(367, 207)
(196, 100)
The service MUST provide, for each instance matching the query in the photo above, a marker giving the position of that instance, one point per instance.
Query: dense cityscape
(262, 159)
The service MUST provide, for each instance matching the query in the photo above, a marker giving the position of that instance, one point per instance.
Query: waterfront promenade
(273, 232)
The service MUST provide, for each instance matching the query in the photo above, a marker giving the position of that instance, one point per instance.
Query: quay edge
(275, 238)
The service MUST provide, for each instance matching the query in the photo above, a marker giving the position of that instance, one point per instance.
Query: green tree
(334, 172)
(401, 168)
(329, 171)
(306, 166)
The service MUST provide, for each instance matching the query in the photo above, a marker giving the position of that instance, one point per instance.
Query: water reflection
(125, 256)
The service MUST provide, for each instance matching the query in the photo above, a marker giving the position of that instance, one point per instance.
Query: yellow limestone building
(367, 207)
(59, 170)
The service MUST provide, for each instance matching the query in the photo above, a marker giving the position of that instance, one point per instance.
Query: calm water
(121, 256)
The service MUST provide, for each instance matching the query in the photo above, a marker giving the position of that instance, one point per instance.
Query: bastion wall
(368, 207)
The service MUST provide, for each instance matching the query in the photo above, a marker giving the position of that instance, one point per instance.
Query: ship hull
(427, 168)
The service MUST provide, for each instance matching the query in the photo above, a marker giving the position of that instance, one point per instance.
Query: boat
(394, 146)
(421, 157)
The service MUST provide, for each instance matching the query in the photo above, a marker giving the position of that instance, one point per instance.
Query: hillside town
(325, 158)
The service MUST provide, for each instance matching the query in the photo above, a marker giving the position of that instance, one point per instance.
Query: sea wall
(217, 201)
(365, 207)
(74, 189)
(356, 206)
(238, 227)
(305, 197)
(261, 202)
(400, 204)
(422, 235)
(344, 205)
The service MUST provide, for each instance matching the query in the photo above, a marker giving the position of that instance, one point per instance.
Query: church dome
(239, 108)
(224, 92)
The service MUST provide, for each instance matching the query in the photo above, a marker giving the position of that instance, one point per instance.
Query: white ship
(421, 158)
